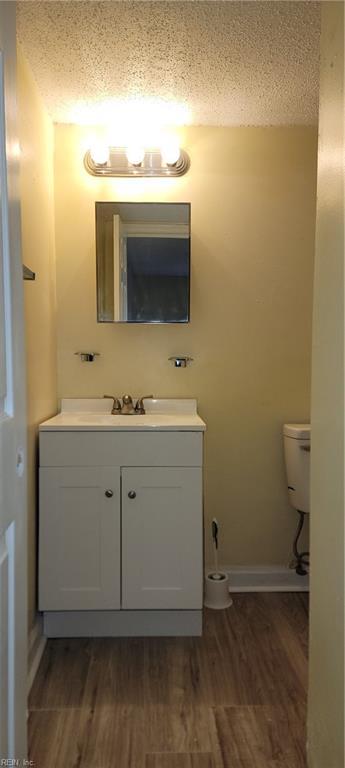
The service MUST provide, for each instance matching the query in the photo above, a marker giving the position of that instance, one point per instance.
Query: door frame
(13, 496)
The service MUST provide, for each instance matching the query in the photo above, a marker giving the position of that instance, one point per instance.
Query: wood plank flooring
(235, 698)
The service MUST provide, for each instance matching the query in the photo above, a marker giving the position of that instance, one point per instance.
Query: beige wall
(326, 695)
(37, 209)
(252, 192)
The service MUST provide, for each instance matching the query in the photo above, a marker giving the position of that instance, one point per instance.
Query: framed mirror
(143, 262)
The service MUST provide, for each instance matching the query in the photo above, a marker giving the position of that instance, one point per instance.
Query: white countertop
(95, 415)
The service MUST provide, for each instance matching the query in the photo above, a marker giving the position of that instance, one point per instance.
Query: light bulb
(170, 151)
(99, 152)
(135, 154)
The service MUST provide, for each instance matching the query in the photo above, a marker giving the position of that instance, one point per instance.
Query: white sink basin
(161, 414)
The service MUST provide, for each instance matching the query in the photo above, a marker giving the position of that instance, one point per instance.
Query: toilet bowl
(297, 462)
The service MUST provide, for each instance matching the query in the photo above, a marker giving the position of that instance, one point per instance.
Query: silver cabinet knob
(132, 495)
(109, 494)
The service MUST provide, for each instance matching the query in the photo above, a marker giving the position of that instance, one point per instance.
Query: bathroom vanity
(121, 523)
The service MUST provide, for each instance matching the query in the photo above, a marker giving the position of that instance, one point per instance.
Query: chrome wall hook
(181, 361)
(87, 357)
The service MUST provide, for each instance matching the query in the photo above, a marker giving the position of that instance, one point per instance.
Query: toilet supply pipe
(301, 559)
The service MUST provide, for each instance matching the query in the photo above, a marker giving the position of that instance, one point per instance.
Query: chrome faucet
(127, 408)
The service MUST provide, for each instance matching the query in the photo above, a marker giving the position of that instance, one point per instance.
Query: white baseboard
(264, 578)
(36, 646)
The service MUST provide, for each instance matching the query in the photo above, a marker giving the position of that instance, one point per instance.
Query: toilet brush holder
(217, 591)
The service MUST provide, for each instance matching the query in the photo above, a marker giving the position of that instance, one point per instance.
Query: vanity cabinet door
(162, 538)
(79, 535)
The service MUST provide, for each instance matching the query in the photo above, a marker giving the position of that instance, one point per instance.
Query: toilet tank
(297, 462)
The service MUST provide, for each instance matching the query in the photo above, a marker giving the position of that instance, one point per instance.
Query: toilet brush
(216, 575)
(217, 582)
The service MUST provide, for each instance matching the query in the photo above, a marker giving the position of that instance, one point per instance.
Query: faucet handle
(116, 404)
(139, 408)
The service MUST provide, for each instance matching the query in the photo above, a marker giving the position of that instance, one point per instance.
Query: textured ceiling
(223, 63)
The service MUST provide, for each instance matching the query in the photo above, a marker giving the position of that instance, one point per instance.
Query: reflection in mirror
(143, 262)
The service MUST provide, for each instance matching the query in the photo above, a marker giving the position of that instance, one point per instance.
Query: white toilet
(297, 462)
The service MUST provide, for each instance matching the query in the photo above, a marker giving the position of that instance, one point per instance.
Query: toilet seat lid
(298, 431)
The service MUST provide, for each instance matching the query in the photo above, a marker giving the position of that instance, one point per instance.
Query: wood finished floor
(235, 698)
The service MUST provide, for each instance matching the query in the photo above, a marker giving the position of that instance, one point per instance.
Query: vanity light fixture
(166, 161)
(99, 153)
(135, 155)
(170, 152)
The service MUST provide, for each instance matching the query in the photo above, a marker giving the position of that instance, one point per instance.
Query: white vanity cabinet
(161, 537)
(120, 530)
(79, 538)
